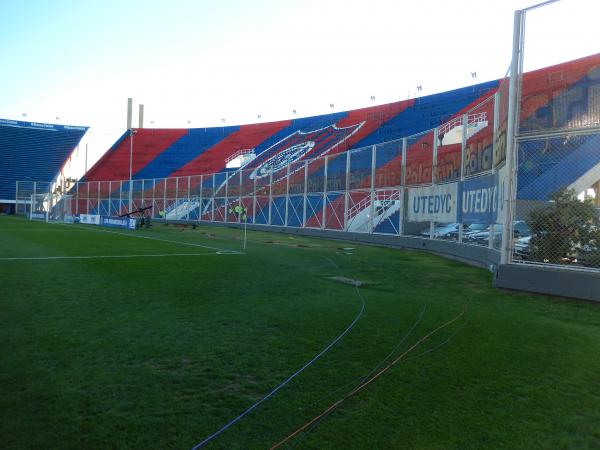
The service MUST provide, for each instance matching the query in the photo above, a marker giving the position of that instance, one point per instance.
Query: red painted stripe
(147, 145)
(213, 159)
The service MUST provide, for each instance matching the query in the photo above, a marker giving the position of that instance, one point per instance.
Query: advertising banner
(89, 219)
(118, 222)
(433, 203)
(478, 200)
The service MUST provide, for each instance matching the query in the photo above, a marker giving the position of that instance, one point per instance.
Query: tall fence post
(142, 194)
(153, 213)
(347, 193)
(511, 132)
(433, 177)
(463, 153)
(110, 199)
(239, 216)
(77, 196)
(324, 214)
(270, 195)
(187, 216)
(372, 193)
(402, 186)
(201, 198)
(254, 201)
(494, 143)
(305, 201)
(176, 198)
(98, 210)
(287, 195)
(212, 201)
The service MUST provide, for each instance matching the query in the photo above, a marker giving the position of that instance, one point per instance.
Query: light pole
(131, 133)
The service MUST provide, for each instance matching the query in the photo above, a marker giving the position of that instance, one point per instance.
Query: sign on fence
(478, 201)
(89, 219)
(435, 203)
(118, 222)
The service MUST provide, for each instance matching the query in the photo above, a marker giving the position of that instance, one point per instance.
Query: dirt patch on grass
(350, 281)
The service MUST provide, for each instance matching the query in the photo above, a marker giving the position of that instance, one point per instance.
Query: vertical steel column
(110, 199)
(77, 195)
(324, 215)
(305, 194)
(511, 133)
(371, 227)
(254, 201)
(496, 185)
(31, 199)
(187, 215)
(98, 210)
(153, 197)
(176, 198)
(402, 186)
(347, 193)
(225, 215)
(142, 194)
(433, 177)
(164, 206)
(212, 208)
(120, 196)
(239, 218)
(270, 195)
(463, 153)
(201, 199)
(287, 195)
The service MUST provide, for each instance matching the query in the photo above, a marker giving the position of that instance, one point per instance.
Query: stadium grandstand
(33, 152)
(418, 270)
(557, 97)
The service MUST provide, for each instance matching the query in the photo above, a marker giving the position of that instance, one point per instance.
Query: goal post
(62, 208)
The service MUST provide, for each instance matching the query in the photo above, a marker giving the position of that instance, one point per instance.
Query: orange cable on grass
(370, 380)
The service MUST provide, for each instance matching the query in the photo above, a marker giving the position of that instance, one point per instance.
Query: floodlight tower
(131, 133)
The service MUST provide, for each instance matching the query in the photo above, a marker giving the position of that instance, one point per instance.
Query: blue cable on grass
(290, 378)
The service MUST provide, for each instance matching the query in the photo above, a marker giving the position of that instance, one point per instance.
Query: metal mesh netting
(556, 204)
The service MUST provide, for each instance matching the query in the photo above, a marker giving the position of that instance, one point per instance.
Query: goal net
(48, 207)
(40, 207)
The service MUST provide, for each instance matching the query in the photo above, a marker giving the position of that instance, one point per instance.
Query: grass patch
(160, 352)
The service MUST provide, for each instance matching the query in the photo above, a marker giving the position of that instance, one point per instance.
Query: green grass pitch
(112, 341)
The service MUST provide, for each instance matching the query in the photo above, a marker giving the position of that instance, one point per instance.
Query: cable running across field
(363, 385)
(363, 378)
(291, 377)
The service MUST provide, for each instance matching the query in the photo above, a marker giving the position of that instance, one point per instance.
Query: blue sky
(204, 60)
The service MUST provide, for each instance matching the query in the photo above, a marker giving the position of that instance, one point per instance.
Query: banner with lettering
(478, 200)
(433, 203)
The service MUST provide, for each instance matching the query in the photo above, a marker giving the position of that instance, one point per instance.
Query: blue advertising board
(478, 200)
(118, 222)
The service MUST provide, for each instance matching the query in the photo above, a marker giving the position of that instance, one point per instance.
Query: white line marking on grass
(221, 251)
(34, 258)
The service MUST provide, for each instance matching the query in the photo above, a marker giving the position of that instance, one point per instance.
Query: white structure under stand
(240, 158)
(181, 209)
(385, 204)
(452, 132)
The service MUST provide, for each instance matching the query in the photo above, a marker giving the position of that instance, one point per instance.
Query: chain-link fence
(449, 183)
(557, 204)
(439, 184)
